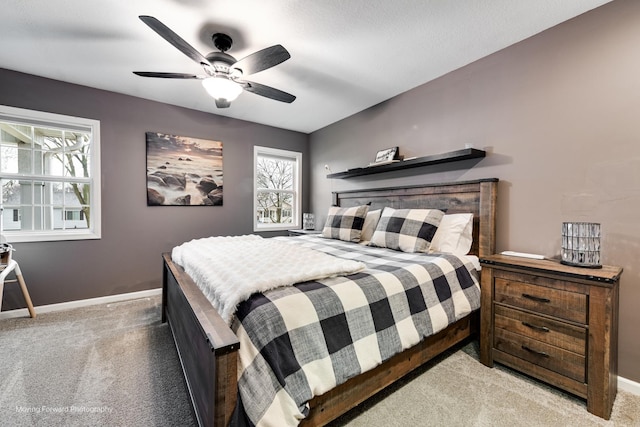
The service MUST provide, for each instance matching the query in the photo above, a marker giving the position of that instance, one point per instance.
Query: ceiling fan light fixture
(220, 87)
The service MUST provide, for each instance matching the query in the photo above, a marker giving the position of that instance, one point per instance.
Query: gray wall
(128, 257)
(558, 113)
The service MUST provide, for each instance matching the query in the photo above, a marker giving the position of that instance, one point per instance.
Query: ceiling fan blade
(267, 91)
(262, 59)
(222, 103)
(168, 75)
(177, 41)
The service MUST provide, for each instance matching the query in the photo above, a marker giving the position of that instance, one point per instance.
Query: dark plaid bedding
(298, 342)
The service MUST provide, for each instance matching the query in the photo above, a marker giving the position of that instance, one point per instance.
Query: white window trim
(297, 185)
(44, 118)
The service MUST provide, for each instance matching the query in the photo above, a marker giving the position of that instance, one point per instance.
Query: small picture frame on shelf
(387, 155)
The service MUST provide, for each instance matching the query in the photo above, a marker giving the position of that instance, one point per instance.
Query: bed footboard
(206, 346)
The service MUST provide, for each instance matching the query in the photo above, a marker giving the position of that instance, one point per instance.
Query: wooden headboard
(476, 197)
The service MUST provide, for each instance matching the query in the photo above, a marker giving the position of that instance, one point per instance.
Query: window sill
(24, 237)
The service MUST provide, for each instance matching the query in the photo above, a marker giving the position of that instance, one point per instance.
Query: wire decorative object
(581, 244)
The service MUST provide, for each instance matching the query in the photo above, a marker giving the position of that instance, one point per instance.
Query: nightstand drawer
(555, 359)
(558, 334)
(553, 302)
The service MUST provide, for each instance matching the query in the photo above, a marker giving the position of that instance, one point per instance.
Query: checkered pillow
(407, 230)
(345, 223)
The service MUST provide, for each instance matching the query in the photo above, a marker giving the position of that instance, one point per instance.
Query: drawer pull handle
(531, 297)
(538, 353)
(536, 327)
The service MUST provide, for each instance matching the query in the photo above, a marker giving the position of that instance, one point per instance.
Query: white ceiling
(346, 55)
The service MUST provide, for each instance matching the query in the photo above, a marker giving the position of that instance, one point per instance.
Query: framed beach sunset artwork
(183, 171)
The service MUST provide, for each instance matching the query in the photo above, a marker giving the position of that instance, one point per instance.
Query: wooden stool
(9, 265)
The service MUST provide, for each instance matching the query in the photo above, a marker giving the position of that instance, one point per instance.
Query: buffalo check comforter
(300, 341)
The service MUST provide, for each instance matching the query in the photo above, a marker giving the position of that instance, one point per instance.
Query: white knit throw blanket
(230, 269)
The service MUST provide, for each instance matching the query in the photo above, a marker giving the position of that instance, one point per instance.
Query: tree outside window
(277, 183)
(49, 172)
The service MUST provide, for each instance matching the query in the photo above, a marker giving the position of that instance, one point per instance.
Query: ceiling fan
(223, 78)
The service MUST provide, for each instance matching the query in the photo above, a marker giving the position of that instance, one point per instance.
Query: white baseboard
(629, 386)
(23, 312)
(623, 383)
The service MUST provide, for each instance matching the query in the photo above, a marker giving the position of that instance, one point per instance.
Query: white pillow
(370, 222)
(454, 234)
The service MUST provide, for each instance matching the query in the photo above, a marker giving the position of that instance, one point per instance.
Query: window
(50, 176)
(277, 184)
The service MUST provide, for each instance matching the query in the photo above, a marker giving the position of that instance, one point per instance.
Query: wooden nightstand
(553, 322)
(303, 232)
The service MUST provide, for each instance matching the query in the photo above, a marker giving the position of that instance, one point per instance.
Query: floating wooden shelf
(453, 156)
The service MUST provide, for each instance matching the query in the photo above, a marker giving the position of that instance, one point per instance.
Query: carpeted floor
(457, 390)
(115, 365)
(106, 365)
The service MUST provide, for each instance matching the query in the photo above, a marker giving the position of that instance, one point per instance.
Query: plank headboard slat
(476, 197)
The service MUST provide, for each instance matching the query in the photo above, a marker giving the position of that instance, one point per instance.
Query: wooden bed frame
(207, 347)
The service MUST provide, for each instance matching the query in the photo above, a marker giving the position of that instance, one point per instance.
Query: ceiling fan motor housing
(221, 61)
